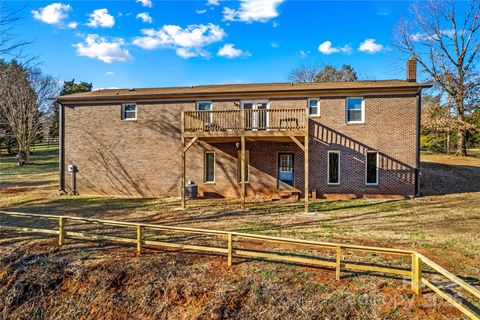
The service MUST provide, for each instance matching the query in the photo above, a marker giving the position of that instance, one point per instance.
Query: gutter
(417, 142)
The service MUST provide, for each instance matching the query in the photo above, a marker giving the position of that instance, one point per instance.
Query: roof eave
(163, 96)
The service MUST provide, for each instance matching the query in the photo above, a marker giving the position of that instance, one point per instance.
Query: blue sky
(175, 43)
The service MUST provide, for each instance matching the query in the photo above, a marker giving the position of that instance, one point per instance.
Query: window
(239, 165)
(129, 111)
(205, 106)
(314, 107)
(333, 167)
(209, 166)
(372, 168)
(355, 110)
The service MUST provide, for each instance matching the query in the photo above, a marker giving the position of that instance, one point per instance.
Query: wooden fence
(415, 273)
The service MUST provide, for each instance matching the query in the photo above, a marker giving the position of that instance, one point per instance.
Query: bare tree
(9, 43)
(304, 73)
(25, 103)
(446, 44)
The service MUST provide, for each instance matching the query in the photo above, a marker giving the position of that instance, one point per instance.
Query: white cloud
(109, 73)
(370, 46)
(275, 24)
(327, 48)
(188, 42)
(304, 54)
(253, 10)
(187, 53)
(229, 51)
(145, 3)
(213, 2)
(54, 13)
(101, 48)
(200, 11)
(72, 25)
(101, 18)
(145, 17)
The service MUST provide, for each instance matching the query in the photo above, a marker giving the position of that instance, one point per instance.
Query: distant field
(444, 224)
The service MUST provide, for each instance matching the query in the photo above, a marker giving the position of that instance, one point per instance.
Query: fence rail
(418, 261)
(238, 120)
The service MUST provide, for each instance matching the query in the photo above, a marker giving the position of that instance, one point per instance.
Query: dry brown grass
(103, 281)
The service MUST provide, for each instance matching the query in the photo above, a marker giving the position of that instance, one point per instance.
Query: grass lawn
(444, 224)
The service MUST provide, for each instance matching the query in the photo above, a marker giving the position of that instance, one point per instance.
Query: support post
(229, 259)
(139, 239)
(182, 182)
(61, 232)
(307, 174)
(416, 274)
(242, 174)
(339, 261)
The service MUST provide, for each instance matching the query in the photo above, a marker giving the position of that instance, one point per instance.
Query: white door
(257, 119)
(285, 170)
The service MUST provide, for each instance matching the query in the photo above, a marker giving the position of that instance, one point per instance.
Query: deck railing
(239, 120)
(417, 272)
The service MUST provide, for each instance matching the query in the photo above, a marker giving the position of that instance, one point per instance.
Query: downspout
(417, 160)
(61, 146)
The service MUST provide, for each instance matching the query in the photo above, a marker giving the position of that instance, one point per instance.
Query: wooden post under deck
(307, 175)
(182, 182)
(242, 169)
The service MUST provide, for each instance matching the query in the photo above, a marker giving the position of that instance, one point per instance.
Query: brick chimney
(412, 70)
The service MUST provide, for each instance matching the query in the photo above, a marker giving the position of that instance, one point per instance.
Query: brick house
(343, 139)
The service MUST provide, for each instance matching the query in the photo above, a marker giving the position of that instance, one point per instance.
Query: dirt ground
(85, 280)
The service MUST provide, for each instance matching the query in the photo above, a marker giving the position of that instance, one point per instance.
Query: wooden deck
(253, 123)
(243, 125)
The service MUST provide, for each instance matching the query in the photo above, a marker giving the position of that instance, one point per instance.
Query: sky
(145, 43)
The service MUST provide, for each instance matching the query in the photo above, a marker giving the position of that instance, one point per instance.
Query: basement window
(371, 168)
(314, 107)
(210, 167)
(333, 167)
(355, 110)
(129, 111)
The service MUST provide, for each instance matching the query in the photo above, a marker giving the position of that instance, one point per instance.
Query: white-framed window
(209, 167)
(371, 168)
(314, 107)
(205, 106)
(247, 166)
(333, 167)
(355, 110)
(129, 111)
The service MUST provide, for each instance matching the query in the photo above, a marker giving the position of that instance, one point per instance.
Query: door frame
(278, 169)
(254, 104)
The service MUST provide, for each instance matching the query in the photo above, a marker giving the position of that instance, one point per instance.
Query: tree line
(28, 111)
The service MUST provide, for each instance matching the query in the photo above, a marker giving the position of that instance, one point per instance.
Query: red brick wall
(142, 157)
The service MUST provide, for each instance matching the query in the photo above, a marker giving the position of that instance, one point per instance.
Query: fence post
(229, 259)
(339, 260)
(61, 232)
(416, 274)
(139, 239)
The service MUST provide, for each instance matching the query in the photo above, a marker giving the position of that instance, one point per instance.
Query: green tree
(331, 74)
(69, 87)
(306, 73)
